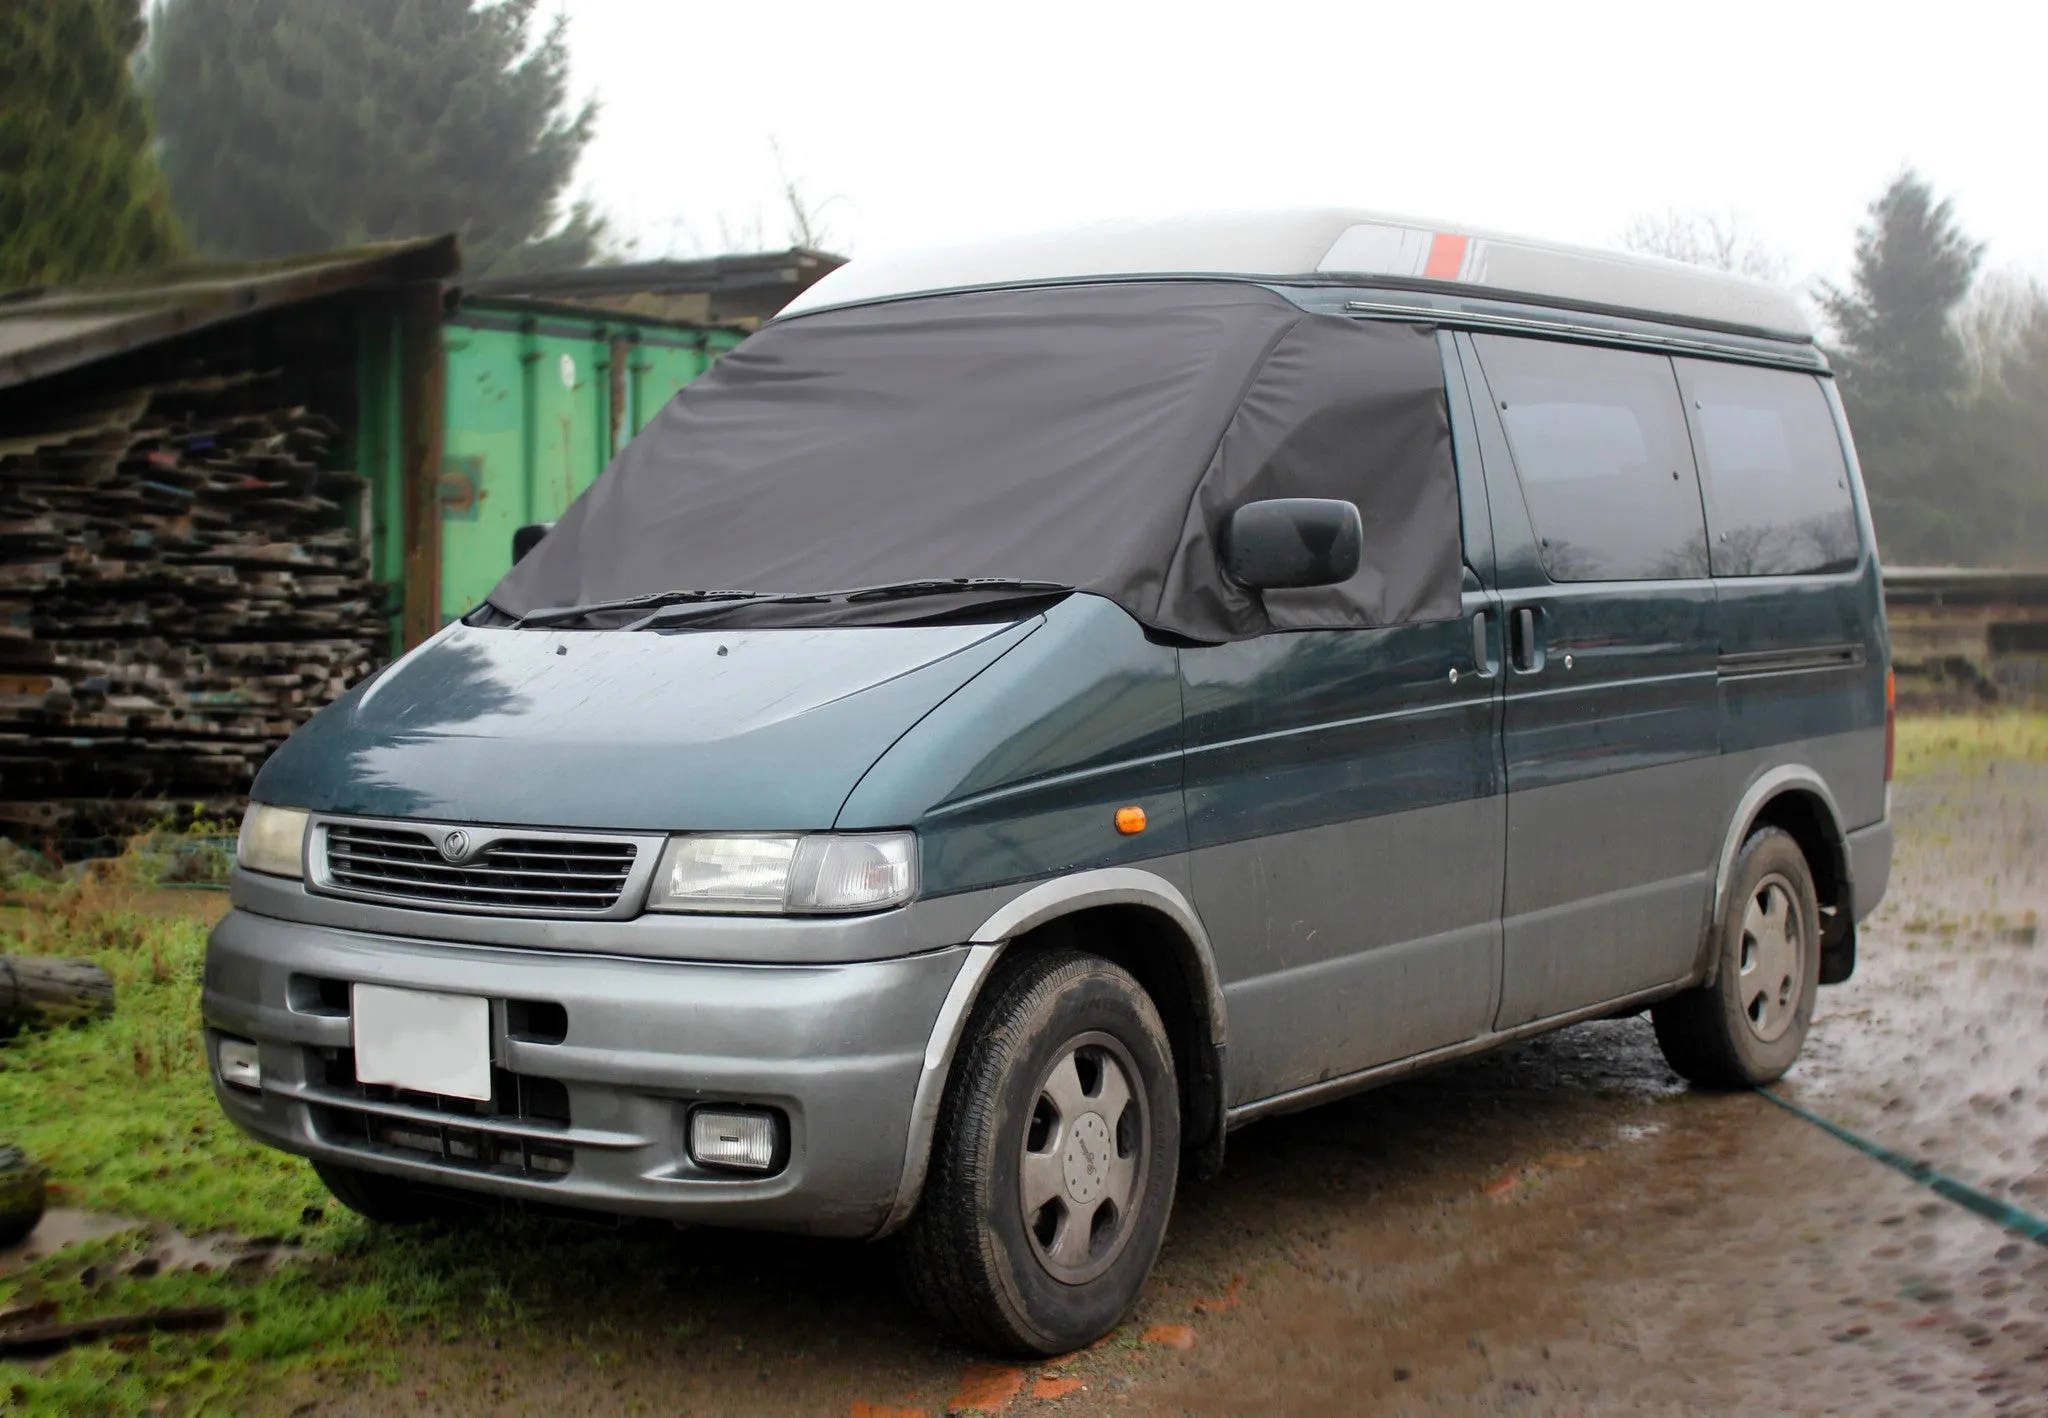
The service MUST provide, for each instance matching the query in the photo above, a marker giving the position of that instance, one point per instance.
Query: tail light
(1891, 722)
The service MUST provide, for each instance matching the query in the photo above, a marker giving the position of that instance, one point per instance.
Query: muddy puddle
(162, 1248)
(1939, 1047)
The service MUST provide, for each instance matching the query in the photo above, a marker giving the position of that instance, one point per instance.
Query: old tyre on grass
(1746, 1028)
(380, 1198)
(23, 1189)
(1054, 1162)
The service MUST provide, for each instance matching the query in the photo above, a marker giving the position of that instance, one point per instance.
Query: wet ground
(1562, 1228)
(158, 1247)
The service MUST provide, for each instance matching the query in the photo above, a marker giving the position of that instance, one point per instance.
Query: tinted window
(1599, 440)
(1777, 484)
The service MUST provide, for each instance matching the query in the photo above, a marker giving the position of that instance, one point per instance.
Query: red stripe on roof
(1446, 257)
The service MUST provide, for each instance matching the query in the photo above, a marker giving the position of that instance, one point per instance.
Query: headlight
(273, 840)
(776, 875)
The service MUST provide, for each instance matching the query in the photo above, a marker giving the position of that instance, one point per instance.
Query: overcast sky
(909, 123)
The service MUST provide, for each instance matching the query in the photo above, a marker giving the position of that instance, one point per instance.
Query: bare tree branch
(1995, 322)
(1722, 243)
(806, 225)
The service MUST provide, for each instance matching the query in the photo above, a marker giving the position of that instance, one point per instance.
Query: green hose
(2019, 1222)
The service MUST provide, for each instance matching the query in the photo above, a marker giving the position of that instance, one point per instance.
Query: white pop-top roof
(1323, 243)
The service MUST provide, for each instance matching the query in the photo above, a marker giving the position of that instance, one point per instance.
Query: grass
(122, 1113)
(1971, 742)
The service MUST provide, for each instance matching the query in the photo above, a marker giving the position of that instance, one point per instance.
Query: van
(1037, 707)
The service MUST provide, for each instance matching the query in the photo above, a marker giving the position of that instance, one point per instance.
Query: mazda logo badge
(455, 846)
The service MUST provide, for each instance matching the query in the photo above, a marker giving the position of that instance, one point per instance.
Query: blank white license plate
(422, 1041)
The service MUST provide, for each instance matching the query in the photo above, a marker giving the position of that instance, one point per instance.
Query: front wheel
(1745, 1029)
(1054, 1163)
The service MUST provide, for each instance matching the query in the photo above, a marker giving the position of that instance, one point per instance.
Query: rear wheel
(1053, 1167)
(1746, 1028)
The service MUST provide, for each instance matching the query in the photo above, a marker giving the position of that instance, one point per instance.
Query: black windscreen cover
(1096, 436)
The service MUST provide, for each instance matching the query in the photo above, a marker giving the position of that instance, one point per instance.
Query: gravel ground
(1563, 1227)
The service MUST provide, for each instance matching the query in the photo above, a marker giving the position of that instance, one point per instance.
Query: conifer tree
(1904, 373)
(1896, 326)
(80, 193)
(297, 125)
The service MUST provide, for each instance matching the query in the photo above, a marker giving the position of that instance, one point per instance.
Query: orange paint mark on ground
(1504, 1186)
(883, 1410)
(1228, 1300)
(1173, 1336)
(1053, 1386)
(989, 1387)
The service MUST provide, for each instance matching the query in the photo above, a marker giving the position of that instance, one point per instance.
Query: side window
(1777, 484)
(1599, 442)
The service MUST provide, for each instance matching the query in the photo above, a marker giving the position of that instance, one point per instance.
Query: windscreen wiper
(673, 614)
(965, 585)
(562, 615)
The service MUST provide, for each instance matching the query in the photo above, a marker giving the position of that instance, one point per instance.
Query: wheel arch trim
(1046, 902)
(1774, 783)
(1111, 886)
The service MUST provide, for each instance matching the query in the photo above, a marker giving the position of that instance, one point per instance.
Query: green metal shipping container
(537, 406)
(536, 401)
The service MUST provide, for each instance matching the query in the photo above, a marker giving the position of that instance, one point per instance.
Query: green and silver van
(1035, 708)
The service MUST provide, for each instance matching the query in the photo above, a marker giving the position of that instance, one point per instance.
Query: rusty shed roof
(45, 330)
(738, 289)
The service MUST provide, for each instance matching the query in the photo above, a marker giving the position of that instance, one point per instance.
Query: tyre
(1746, 1028)
(376, 1197)
(1054, 1162)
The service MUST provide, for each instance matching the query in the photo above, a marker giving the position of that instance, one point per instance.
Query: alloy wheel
(1086, 1152)
(1773, 951)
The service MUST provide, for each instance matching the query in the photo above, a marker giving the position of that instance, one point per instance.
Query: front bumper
(836, 1049)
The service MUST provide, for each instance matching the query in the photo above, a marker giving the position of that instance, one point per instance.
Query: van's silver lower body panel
(1869, 850)
(837, 1049)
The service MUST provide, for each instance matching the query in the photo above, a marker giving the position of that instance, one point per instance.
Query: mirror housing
(527, 538)
(1286, 543)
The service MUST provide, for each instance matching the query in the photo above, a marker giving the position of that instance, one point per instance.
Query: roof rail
(1327, 246)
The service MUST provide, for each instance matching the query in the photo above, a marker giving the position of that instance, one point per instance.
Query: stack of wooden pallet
(182, 582)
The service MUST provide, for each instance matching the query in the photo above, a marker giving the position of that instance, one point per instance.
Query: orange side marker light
(1891, 722)
(1130, 820)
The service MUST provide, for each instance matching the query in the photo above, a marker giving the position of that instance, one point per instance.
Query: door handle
(1482, 645)
(1525, 651)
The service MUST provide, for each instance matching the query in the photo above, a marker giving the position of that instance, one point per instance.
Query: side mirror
(1288, 542)
(527, 538)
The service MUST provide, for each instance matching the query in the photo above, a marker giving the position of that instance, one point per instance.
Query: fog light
(728, 1137)
(238, 1066)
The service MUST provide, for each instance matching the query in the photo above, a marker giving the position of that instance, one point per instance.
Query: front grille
(453, 1145)
(456, 1132)
(542, 875)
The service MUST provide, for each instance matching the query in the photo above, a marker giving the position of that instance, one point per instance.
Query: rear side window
(1599, 441)
(1777, 484)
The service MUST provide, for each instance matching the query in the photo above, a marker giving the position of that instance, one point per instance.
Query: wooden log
(38, 1341)
(38, 990)
(23, 1187)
